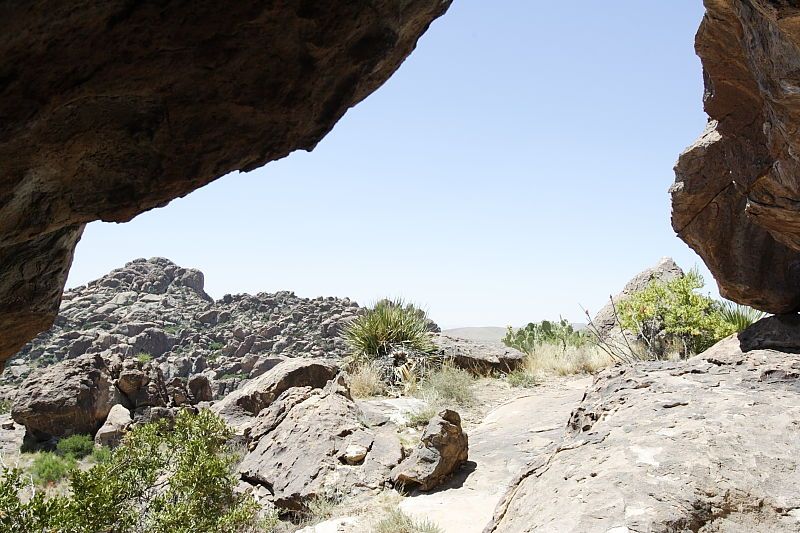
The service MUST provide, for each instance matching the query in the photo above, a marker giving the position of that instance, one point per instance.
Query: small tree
(672, 314)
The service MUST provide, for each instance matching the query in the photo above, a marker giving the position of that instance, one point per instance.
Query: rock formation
(443, 448)
(312, 443)
(737, 188)
(706, 444)
(478, 357)
(112, 109)
(154, 309)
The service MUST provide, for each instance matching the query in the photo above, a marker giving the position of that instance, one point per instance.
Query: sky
(515, 168)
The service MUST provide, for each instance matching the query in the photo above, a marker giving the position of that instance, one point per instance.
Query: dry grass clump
(549, 359)
(396, 521)
(448, 385)
(366, 380)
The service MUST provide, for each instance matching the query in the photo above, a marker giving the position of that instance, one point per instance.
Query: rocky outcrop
(110, 109)
(605, 322)
(480, 357)
(443, 448)
(73, 397)
(115, 426)
(312, 443)
(707, 444)
(737, 188)
(155, 309)
(239, 407)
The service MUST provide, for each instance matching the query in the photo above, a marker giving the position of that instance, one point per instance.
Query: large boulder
(113, 108)
(239, 407)
(72, 397)
(312, 443)
(115, 426)
(706, 444)
(480, 357)
(443, 448)
(736, 197)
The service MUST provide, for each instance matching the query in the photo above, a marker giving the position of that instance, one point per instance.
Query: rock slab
(707, 444)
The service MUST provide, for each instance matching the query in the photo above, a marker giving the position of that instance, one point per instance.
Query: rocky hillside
(153, 309)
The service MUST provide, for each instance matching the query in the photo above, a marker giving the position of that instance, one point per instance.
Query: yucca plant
(740, 316)
(390, 325)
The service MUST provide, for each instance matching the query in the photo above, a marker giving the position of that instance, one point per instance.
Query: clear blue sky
(516, 166)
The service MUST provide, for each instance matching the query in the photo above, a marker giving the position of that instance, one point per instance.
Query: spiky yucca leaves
(740, 316)
(388, 326)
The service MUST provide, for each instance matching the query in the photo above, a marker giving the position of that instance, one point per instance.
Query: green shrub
(159, 480)
(740, 316)
(101, 454)
(535, 334)
(76, 446)
(673, 316)
(143, 357)
(48, 468)
(399, 522)
(389, 325)
(5, 407)
(216, 345)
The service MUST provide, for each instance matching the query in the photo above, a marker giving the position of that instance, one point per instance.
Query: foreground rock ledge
(110, 109)
(736, 198)
(708, 444)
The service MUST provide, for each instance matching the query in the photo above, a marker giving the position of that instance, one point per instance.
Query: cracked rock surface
(736, 197)
(707, 444)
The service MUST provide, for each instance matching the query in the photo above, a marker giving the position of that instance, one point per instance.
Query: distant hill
(489, 333)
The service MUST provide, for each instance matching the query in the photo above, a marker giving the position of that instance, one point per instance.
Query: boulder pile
(154, 310)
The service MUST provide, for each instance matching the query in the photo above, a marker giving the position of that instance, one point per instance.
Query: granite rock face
(736, 197)
(706, 444)
(110, 109)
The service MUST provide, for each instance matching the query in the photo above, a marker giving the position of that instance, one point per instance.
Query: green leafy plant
(100, 454)
(48, 468)
(389, 325)
(216, 345)
(160, 479)
(5, 407)
(144, 357)
(672, 315)
(76, 446)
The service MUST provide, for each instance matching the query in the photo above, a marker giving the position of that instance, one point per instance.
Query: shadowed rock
(110, 109)
(736, 197)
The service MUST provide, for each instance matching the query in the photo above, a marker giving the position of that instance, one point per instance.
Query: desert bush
(449, 385)
(396, 521)
(5, 407)
(522, 378)
(366, 380)
(144, 357)
(559, 333)
(159, 480)
(673, 315)
(48, 468)
(100, 454)
(388, 325)
(549, 359)
(76, 446)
